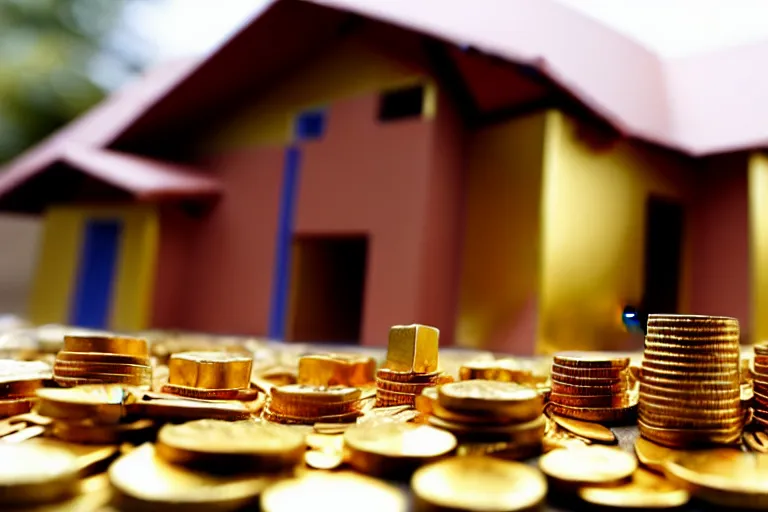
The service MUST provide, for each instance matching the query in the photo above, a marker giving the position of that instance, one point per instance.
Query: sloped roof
(701, 104)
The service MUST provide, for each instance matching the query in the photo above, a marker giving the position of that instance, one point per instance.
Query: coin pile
(591, 386)
(91, 414)
(336, 370)
(488, 411)
(307, 405)
(18, 382)
(690, 381)
(210, 376)
(103, 360)
(411, 365)
(760, 385)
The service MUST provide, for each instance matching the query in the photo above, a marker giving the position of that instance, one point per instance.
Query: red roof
(710, 103)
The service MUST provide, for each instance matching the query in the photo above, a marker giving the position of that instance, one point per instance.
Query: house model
(513, 173)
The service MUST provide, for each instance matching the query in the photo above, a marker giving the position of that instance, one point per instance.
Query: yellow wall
(59, 258)
(758, 250)
(593, 216)
(347, 68)
(500, 272)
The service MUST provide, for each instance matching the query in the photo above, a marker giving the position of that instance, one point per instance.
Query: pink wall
(387, 181)
(229, 259)
(176, 233)
(719, 223)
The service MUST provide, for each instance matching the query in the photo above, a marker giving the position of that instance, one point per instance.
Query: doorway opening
(327, 288)
(663, 253)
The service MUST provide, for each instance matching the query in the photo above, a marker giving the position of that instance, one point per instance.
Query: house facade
(379, 176)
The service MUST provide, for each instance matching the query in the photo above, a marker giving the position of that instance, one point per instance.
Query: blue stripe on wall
(96, 275)
(281, 280)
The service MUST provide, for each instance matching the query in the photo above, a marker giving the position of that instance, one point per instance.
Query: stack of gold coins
(591, 386)
(533, 372)
(297, 404)
(102, 360)
(92, 414)
(411, 365)
(690, 381)
(336, 370)
(18, 382)
(210, 376)
(485, 410)
(760, 385)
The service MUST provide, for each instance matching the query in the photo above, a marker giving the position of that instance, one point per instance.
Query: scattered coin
(596, 465)
(645, 491)
(453, 484)
(33, 474)
(592, 431)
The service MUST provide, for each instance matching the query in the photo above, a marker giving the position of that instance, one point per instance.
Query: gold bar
(413, 348)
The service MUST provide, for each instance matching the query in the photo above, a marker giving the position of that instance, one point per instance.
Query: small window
(309, 125)
(402, 103)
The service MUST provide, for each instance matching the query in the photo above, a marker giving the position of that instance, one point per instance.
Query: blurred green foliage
(48, 49)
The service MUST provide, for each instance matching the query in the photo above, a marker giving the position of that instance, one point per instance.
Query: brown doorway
(663, 254)
(327, 288)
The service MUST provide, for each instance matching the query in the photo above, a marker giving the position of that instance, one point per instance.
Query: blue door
(95, 277)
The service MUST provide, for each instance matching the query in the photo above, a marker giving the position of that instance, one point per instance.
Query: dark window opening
(402, 103)
(309, 125)
(327, 288)
(663, 253)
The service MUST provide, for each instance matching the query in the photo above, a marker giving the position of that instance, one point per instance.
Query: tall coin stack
(760, 386)
(103, 360)
(591, 386)
(690, 381)
(411, 365)
(296, 404)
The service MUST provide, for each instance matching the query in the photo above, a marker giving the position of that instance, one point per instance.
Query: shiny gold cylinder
(108, 344)
(210, 370)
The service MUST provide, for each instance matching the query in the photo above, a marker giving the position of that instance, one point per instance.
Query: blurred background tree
(52, 53)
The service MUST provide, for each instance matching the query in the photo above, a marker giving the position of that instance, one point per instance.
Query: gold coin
(588, 381)
(675, 320)
(690, 391)
(597, 414)
(314, 409)
(724, 477)
(692, 374)
(653, 455)
(243, 444)
(689, 438)
(753, 443)
(403, 387)
(317, 459)
(100, 403)
(287, 419)
(428, 403)
(102, 378)
(590, 360)
(77, 368)
(202, 393)
(526, 433)
(395, 448)
(645, 491)
(596, 465)
(592, 373)
(340, 492)
(101, 357)
(730, 349)
(492, 397)
(590, 390)
(109, 344)
(210, 370)
(15, 406)
(678, 421)
(453, 484)
(84, 432)
(144, 480)
(11, 388)
(761, 349)
(32, 474)
(589, 430)
(591, 401)
(395, 376)
(674, 408)
(694, 337)
(299, 393)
